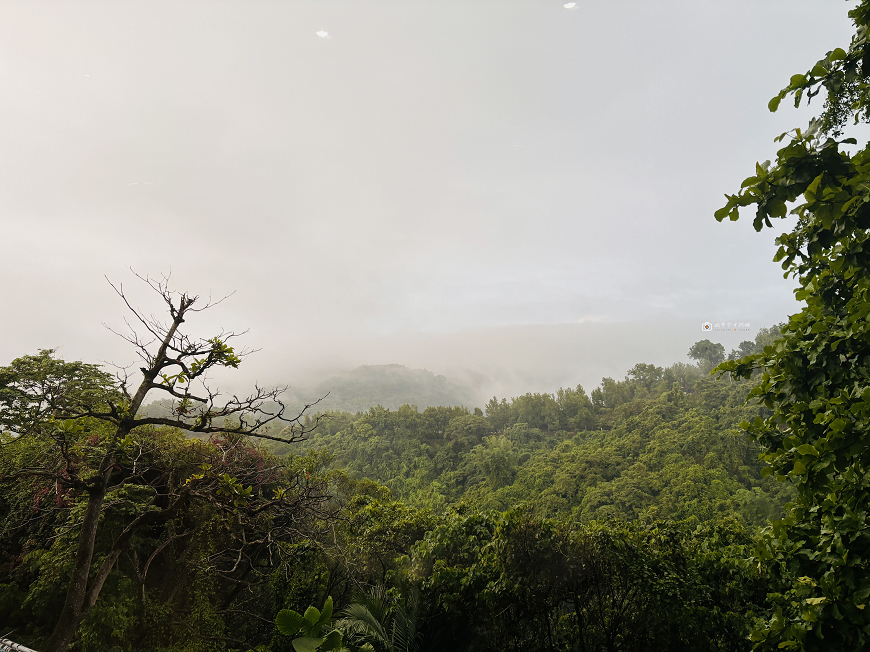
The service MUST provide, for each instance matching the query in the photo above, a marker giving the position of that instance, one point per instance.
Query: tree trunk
(74, 609)
(79, 599)
(83, 590)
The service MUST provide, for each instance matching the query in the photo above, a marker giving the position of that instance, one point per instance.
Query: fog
(516, 195)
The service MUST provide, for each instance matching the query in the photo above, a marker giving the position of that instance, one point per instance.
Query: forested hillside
(662, 443)
(718, 505)
(455, 527)
(390, 386)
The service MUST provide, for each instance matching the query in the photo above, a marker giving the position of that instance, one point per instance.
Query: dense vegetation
(817, 378)
(659, 444)
(633, 518)
(623, 519)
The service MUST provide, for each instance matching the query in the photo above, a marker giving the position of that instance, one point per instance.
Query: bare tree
(43, 397)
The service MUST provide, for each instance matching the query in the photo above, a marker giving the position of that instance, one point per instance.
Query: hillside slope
(390, 386)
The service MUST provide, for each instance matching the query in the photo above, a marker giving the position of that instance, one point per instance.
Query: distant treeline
(661, 443)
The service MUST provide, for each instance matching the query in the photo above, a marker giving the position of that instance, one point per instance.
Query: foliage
(96, 450)
(707, 354)
(219, 570)
(379, 621)
(311, 626)
(816, 378)
(380, 531)
(644, 449)
(565, 585)
(620, 519)
(210, 567)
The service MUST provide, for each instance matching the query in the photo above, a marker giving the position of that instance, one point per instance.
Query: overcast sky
(509, 191)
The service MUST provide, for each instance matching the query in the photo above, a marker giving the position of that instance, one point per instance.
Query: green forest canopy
(387, 497)
(627, 519)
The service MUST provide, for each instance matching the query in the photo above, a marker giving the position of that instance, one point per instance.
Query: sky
(515, 194)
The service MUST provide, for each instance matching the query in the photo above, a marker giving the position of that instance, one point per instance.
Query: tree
(647, 375)
(743, 349)
(816, 376)
(87, 425)
(210, 573)
(767, 337)
(510, 581)
(496, 460)
(707, 354)
(377, 620)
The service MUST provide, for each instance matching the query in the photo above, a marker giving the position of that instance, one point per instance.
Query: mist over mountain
(390, 386)
(543, 359)
(367, 386)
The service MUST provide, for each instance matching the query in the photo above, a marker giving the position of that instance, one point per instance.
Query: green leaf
(312, 615)
(306, 643)
(797, 81)
(814, 185)
(326, 614)
(838, 54)
(722, 213)
(776, 208)
(288, 621)
(773, 105)
(333, 640)
(837, 425)
(819, 70)
(807, 449)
